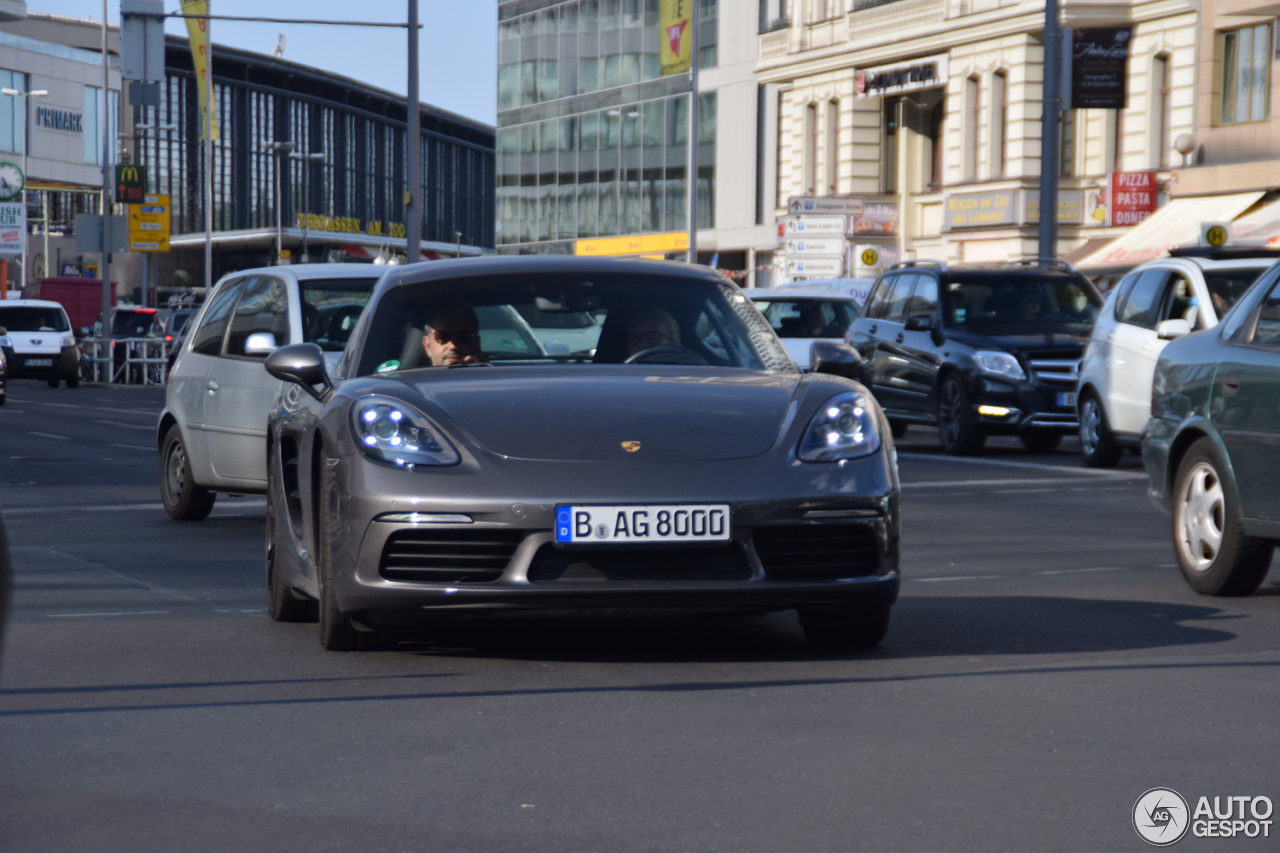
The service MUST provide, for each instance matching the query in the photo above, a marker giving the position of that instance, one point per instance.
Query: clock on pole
(12, 181)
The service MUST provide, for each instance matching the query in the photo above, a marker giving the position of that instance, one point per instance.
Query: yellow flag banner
(675, 35)
(198, 34)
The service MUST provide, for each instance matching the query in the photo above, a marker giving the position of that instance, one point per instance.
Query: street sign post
(131, 184)
(810, 226)
(149, 224)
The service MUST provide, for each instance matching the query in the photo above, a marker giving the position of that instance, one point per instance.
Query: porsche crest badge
(631, 446)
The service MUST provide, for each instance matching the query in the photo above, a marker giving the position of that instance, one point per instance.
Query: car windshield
(133, 324)
(974, 300)
(808, 318)
(331, 307)
(34, 320)
(1227, 286)
(625, 319)
(179, 321)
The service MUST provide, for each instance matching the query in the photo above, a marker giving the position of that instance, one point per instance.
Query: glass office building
(591, 141)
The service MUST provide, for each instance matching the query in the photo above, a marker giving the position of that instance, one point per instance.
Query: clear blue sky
(458, 48)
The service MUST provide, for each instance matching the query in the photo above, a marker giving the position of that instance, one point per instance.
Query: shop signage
(131, 184)
(814, 225)
(926, 73)
(149, 224)
(830, 246)
(392, 229)
(846, 205)
(878, 219)
(637, 244)
(334, 224)
(1130, 197)
(1070, 207)
(13, 229)
(820, 267)
(1097, 58)
(56, 119)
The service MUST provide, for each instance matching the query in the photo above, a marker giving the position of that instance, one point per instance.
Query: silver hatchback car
(212, 434)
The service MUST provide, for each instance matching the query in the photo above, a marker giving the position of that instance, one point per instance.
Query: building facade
(592, 141)
(934, 107)
(345, 204)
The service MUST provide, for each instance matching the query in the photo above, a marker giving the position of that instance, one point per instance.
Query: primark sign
(56, 119)
(927, 73)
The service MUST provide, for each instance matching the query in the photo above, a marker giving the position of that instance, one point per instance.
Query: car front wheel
(284, 604)
(957, 426)
(1097, 443)
(1215, 555)
(338, 632)
(183, 498)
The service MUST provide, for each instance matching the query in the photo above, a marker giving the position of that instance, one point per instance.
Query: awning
(1175, 224)
(1087, 248)
(353, 251)
(1260, 228)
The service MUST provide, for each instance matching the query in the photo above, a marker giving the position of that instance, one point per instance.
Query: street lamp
(26, 118)
(316, 157)
(279, 148)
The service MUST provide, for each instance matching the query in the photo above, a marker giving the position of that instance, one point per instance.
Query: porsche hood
(673, 414)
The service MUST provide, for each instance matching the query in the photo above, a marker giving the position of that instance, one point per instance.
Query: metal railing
(125, 361)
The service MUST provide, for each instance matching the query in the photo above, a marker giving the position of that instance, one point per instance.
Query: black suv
(978, 350)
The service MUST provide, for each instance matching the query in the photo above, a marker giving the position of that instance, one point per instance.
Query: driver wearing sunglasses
(453, 337)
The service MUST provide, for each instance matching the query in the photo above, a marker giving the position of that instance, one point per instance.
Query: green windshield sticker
(388, 366)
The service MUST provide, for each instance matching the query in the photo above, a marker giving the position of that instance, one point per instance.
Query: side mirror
(1170, 329)
(834, 357)
(919, 323)
(260, 343)
(303, 364)
(3, 330)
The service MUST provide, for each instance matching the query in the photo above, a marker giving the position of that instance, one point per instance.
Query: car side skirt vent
(804, 552)
(448, 556)
(586, 565)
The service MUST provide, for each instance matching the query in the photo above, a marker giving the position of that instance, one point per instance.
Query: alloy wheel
(176, 471)
(1090, 426)
(1201, 517)
(950, 411)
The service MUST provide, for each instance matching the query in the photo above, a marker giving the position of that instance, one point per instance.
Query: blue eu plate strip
(564, 520)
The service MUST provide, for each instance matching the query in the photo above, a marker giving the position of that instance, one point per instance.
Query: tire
(899, 428)
(73, 381)
(1040, 442)
(284, 604)
(184, 500)
(845, 627)
(54, 383)
(338, 633)
(1098, 444)
(1215, 555)
(957, 426)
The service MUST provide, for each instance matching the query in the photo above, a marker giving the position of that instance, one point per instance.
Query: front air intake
(448, 556)
(810, 552)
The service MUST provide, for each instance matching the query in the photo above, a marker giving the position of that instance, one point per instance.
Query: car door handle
(874, 328)
(212, 386)
(900, 338)
(1230, 385)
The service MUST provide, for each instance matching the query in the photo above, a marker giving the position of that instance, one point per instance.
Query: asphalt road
(1046, 666)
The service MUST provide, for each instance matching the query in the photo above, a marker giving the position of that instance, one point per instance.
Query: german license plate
(642, 524)
(1066, 400)
(39, 362)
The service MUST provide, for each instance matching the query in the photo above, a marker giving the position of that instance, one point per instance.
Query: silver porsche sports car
(672, 458)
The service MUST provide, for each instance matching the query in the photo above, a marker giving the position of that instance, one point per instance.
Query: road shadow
(922, 627)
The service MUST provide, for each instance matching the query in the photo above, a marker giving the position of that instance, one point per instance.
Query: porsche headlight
(390, 431)
(996, 363)
(844, 428)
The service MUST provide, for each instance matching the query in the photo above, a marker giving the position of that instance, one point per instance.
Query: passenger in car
(453, 337)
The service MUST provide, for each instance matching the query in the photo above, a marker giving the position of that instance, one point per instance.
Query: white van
(36, 338)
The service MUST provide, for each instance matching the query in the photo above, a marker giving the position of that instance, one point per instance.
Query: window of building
(810, 148)
(889, 146)
(833, 147)
(1246, 74)
(1115, 154)
(708, 34)
(773, 15)
(972, 121)
(1067, 149)
(999, 123)
(937, 118)
(92, 112)
(11, 107)
(1161, 110)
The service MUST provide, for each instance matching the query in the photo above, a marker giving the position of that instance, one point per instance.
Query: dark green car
(1212, 446)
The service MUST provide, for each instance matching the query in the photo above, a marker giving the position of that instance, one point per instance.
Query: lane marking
(1079, 472)
(121, 613)
(133, 447)
(1019, 491)
(958, 578)
(49, 435)
(20, 510)
(153, 413)
(1081, 571)
(1037, 481)
(126, 426)
(5, 410)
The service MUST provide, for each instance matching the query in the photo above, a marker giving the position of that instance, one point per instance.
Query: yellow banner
(198, 34)
(635, 244)
(675, 35)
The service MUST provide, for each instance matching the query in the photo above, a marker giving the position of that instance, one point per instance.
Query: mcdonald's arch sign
(131, 184)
